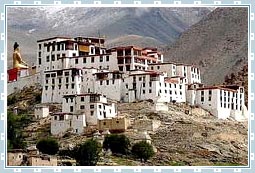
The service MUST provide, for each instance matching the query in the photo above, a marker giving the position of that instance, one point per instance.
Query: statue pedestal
(12, 74)
(23, 72)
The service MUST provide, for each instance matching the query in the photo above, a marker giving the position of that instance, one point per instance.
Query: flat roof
(52, 38)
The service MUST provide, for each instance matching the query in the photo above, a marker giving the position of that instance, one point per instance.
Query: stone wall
(24, 82)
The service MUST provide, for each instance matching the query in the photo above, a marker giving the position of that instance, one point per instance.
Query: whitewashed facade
(221, 101)
(41, 111)
(190, 72)
(94, 106)
(135, 58)
(63, 122)
(57, 83)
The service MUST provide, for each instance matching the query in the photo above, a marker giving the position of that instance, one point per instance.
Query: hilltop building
(82, 67)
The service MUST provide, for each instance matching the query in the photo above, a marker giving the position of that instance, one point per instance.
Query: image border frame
(90, 3)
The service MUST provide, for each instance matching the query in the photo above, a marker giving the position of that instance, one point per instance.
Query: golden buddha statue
(17, 60)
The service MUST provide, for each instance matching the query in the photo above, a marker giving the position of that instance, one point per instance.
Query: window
(71, 108)
(71, 100)
(72, 86)
(63, 55)
(55, 117)
(202, 96)
(149, 90)
(107, 82)
(150, 84)
(58, 46)
(91, 106)
(59, 80)
(48, 59)
(101, 59)
(158, 67)
(166, 91)
(67, 79)
(82, 99)
(40, 61)
(74, 54)
(92, 59)
(101, 82)
(39, 54)
(39, 46)
(100, 106)
(52, 57)
(46, 87)
(143, 91)
(91, 113)
(84, 60)
(107, 58)
(53, 47)
(82, 107)
(140, 78)
(53, 81)
(58, 56)
(143, 84)
(76, 60)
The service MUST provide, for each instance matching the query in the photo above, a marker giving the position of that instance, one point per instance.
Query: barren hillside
(217, 44)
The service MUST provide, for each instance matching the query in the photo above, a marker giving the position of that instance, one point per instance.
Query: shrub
(142, 150)
(117, 143)
(87, 154)
(48, 146)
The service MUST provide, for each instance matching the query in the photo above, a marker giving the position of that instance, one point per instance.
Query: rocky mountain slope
(125, 26)
(218, 44)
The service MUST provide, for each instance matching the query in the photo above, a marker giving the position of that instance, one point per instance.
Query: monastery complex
(89, 80)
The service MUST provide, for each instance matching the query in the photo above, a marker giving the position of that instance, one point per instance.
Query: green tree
(87, 154)
(48, 146)
(142, 150)
(15, 124)
(117, 143)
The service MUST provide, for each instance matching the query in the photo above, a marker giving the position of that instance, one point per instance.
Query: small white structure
(41, 111)
(63, 122)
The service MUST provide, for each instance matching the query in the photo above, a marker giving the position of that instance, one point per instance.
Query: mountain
(121, 26)
(218, 44)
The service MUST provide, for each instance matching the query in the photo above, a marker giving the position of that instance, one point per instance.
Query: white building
(135, 58)
(41, 111)
(110, 84)
(190, 72)
(63, 122)
(94, 106)
(167, 67)
(144, 85)
(57, 83)
(62, 53)
(221, 101)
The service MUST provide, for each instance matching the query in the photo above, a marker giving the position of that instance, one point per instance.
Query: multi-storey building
(222, 101)
(190, 72)
(135, 58)
(61, 82)
(80, 110)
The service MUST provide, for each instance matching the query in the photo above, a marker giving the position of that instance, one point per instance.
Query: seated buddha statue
(17, 60)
